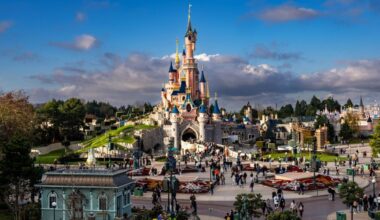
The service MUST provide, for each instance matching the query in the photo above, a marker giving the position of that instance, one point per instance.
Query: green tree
(73, 112)
(316, 103)
(350, 192)
(375, 140)
(16, 172)
(310, 110)
(349, 104)
(286, 111)
(322, 120)
(286, 215)
(250, 203)
(345, 132)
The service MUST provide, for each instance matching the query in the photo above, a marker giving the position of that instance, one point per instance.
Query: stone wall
(152, 137)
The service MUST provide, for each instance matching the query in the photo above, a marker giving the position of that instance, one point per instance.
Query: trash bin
(338, 187)
(341, 216)
(141, 192)
(136, 192)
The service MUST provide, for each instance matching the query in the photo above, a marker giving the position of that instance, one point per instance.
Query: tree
(350, 192)
(286, 215)
(300, 109)
(250, 203)
(16, 116)
(286, 111)
(375, 141)
(73, 112)
(316, 103)
(353, 122)
(345, 132)
(322, 120)
(17, 170)
(349, 104)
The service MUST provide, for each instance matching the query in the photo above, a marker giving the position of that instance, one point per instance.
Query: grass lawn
(320, 156)
(50, 157)
(4, 215)
(102, 140)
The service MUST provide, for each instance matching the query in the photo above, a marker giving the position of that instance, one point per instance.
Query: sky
(262, 51)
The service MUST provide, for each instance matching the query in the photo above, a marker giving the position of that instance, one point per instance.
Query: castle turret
(202, 119)
(172, 74)
(174, 120)
(248, 112)
(217, 119)
(202, 87)
(362, 107)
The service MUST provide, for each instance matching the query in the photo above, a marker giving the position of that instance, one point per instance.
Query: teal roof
(175, 110)
(216, 108)
(182, 89)
(202, 109)
(188, 100)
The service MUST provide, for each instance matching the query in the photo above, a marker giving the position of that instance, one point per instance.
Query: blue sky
(46, 46)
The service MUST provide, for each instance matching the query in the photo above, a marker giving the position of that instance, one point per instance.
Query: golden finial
(176, 53)
(189, 13)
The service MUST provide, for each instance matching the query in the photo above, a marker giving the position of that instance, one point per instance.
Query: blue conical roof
(203, 77)
(175, 110)
(216, 108)
(202, 109)
(171, 69)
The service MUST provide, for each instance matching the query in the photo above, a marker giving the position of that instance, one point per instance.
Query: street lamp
(54, 205)
(373, 185)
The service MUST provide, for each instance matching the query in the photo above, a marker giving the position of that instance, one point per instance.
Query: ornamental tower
(189, 64)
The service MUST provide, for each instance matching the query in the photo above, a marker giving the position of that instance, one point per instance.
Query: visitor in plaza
(300, 209)
(293, 207)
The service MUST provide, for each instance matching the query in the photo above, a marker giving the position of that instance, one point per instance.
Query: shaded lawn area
(320, 155)
(50, 157)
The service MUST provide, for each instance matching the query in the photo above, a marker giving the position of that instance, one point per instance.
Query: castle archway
(189, 135)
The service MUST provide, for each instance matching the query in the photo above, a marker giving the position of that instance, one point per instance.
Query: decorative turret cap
(175, 110)
(369, 120)
(171, 69)
(202, 78)
(216, 107)
(202, 108)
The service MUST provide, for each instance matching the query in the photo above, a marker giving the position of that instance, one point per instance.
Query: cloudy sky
(265, 52)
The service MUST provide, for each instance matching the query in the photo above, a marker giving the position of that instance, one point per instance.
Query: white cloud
(205, 57)
(287, 13)
(80, 16)
(5, 25)
(81, 43)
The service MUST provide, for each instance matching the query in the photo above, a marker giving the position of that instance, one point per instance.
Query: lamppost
(373, 185)
(54, 205)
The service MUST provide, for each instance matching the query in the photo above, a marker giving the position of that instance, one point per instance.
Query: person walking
(282, 204)
(300, 209)
(293, 207)
(251, 184)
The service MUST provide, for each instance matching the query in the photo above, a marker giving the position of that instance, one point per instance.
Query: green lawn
(50, 157)
(5, 215)
(102, 140)
(320, 156)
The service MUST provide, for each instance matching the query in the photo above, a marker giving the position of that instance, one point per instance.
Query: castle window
(188, 107)
(183, 98)
(102, 202)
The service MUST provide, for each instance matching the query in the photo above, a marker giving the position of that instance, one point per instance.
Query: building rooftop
(86, 178)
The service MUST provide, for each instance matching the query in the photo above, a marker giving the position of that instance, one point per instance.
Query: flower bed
(322, 182)
(196, 186)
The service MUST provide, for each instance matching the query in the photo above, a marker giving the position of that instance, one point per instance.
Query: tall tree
(345, 132)
(286, 111)
(349, 104)
(316, 103)
(250, 203)
(73, 113)
(375, 141)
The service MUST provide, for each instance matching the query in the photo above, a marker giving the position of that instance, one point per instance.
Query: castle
(186, 112)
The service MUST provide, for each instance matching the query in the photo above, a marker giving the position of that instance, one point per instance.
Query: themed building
(85, 194)
(186, 112)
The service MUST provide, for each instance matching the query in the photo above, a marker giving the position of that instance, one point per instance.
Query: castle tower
(362, 107)
(189, 64)
(172, 74)
(217, 119)
(202, 119)
(174, 120)
(202, 87)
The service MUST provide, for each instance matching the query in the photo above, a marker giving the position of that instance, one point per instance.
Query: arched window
(52, 200)
(103, 202)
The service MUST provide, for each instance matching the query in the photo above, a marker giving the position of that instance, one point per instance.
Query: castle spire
(189, 28)
(176, 55)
